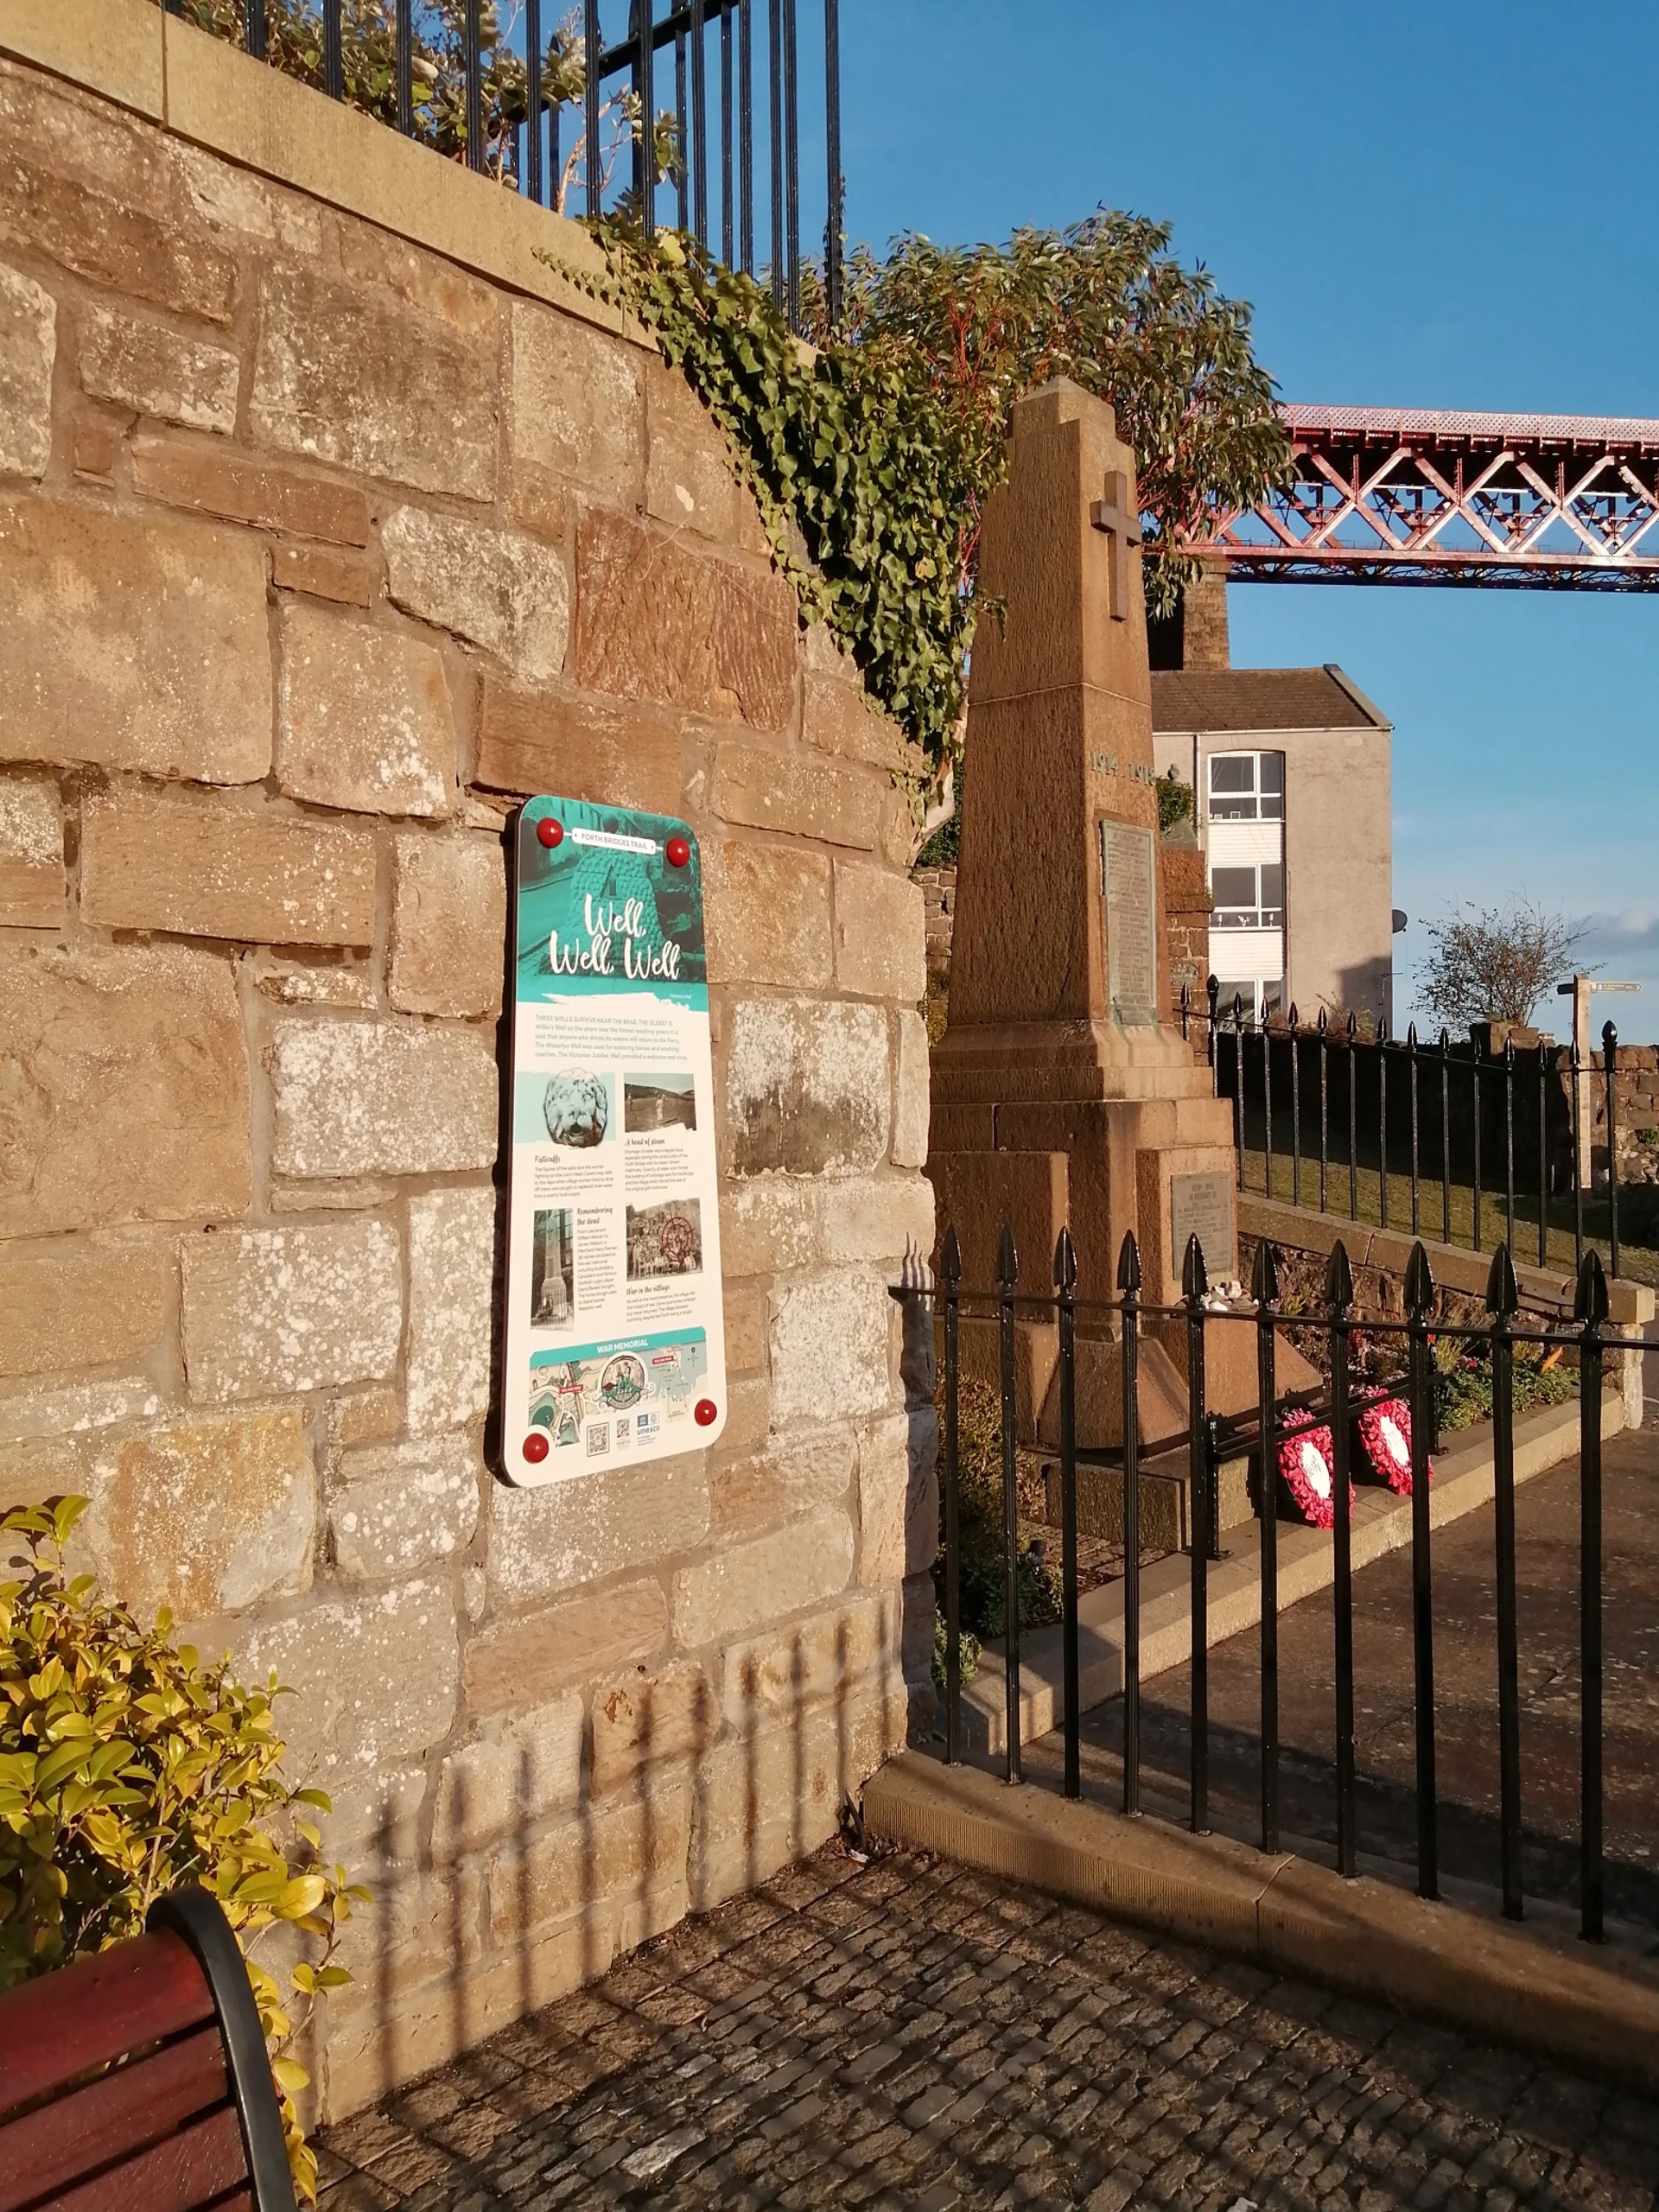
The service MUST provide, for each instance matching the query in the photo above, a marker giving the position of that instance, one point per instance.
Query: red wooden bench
(137, 2080)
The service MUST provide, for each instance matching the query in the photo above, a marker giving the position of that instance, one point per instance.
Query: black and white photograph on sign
(665, 1240)
(577, 1106)
(553, 1269)
(658, 1102)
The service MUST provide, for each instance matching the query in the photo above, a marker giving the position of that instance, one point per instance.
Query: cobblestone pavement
(911, 2035)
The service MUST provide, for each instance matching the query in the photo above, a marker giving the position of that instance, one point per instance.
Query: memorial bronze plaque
(1129, 868)
(1202, 1206)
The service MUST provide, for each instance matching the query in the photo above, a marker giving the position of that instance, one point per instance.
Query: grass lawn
(1436, 1206)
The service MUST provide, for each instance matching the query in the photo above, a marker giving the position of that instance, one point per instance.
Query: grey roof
(1261, 699)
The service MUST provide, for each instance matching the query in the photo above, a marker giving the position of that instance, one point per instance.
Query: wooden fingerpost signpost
(616, 1348)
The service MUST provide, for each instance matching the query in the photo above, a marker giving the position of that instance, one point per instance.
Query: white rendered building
(1290, 769)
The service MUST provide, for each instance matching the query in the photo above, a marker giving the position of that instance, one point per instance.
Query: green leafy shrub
(985, 1587)
(1462, 1383)
(1174, 801)
(1104, 302)
(968, 1648)
(943, 847)
(128, 1766)
(368, 57)
(935, 1010)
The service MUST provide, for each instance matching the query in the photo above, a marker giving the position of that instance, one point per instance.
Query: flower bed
(1462, 1383)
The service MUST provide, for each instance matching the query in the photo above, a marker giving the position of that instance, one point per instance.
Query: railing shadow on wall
(459, 1878)
(401, 1868)
(1348, 1416)
(1439, 1138)
(508, 93)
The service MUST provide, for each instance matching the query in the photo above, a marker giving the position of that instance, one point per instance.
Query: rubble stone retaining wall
(321, 538)
(1187, 907)
(939, 887)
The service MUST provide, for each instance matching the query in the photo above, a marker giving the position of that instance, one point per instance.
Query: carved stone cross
(1111, 515)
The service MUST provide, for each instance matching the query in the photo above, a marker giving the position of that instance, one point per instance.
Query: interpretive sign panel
(615, 1350)
(1202, 1206)
(1130, 885)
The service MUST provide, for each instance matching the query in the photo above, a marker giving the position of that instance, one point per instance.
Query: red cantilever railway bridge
(1409, 496)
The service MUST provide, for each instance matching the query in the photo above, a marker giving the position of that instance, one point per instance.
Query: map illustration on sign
(615, 1346)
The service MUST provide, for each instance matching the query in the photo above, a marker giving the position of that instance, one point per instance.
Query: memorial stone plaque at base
(1058, 1093)
(1202, 1206)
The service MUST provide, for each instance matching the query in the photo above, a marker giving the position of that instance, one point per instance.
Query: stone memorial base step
(1165, 1501)
(1230, 1384)
(1382, 1523)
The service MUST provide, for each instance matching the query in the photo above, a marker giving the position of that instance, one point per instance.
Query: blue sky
(1453, 205)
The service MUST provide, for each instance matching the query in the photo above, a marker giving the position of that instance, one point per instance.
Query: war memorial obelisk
(1061, 1090)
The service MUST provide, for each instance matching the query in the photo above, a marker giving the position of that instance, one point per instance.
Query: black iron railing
(1338, 1406)
(688, 99)
(1438, 1137)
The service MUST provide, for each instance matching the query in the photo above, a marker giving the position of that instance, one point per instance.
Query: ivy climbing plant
(860, 481)
(872, 454)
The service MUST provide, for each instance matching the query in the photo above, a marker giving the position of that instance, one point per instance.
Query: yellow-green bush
(128, 1766)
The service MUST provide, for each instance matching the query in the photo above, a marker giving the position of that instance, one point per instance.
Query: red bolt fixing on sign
(550, 832)
(536, 1448)
(678, 853)
(707, 1413)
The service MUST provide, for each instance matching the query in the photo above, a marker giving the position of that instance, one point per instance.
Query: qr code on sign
(599, 1439)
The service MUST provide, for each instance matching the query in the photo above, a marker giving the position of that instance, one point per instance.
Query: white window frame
(1246, 807)
(1253, 990)
(1256, 915)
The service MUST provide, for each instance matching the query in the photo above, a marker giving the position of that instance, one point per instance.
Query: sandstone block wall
(1635, 1107)
(316, 548)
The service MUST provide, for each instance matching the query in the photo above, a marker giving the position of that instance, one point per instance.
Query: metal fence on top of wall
(1441, 1138)
(1341, 1421)
(503, 86)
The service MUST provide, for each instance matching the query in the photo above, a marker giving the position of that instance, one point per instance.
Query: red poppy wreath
(1306, 1459)
(1385, 1431)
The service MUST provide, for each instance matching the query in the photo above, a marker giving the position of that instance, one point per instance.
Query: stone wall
(1635, 1105)
(1204, 640)
(1303, 1241)
(317, 546)
(1187, 908)
(939, 888)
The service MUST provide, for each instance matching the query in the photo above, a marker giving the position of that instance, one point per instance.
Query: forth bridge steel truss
(1407, 495)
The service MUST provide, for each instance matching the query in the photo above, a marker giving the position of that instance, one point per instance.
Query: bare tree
(1494, 963)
